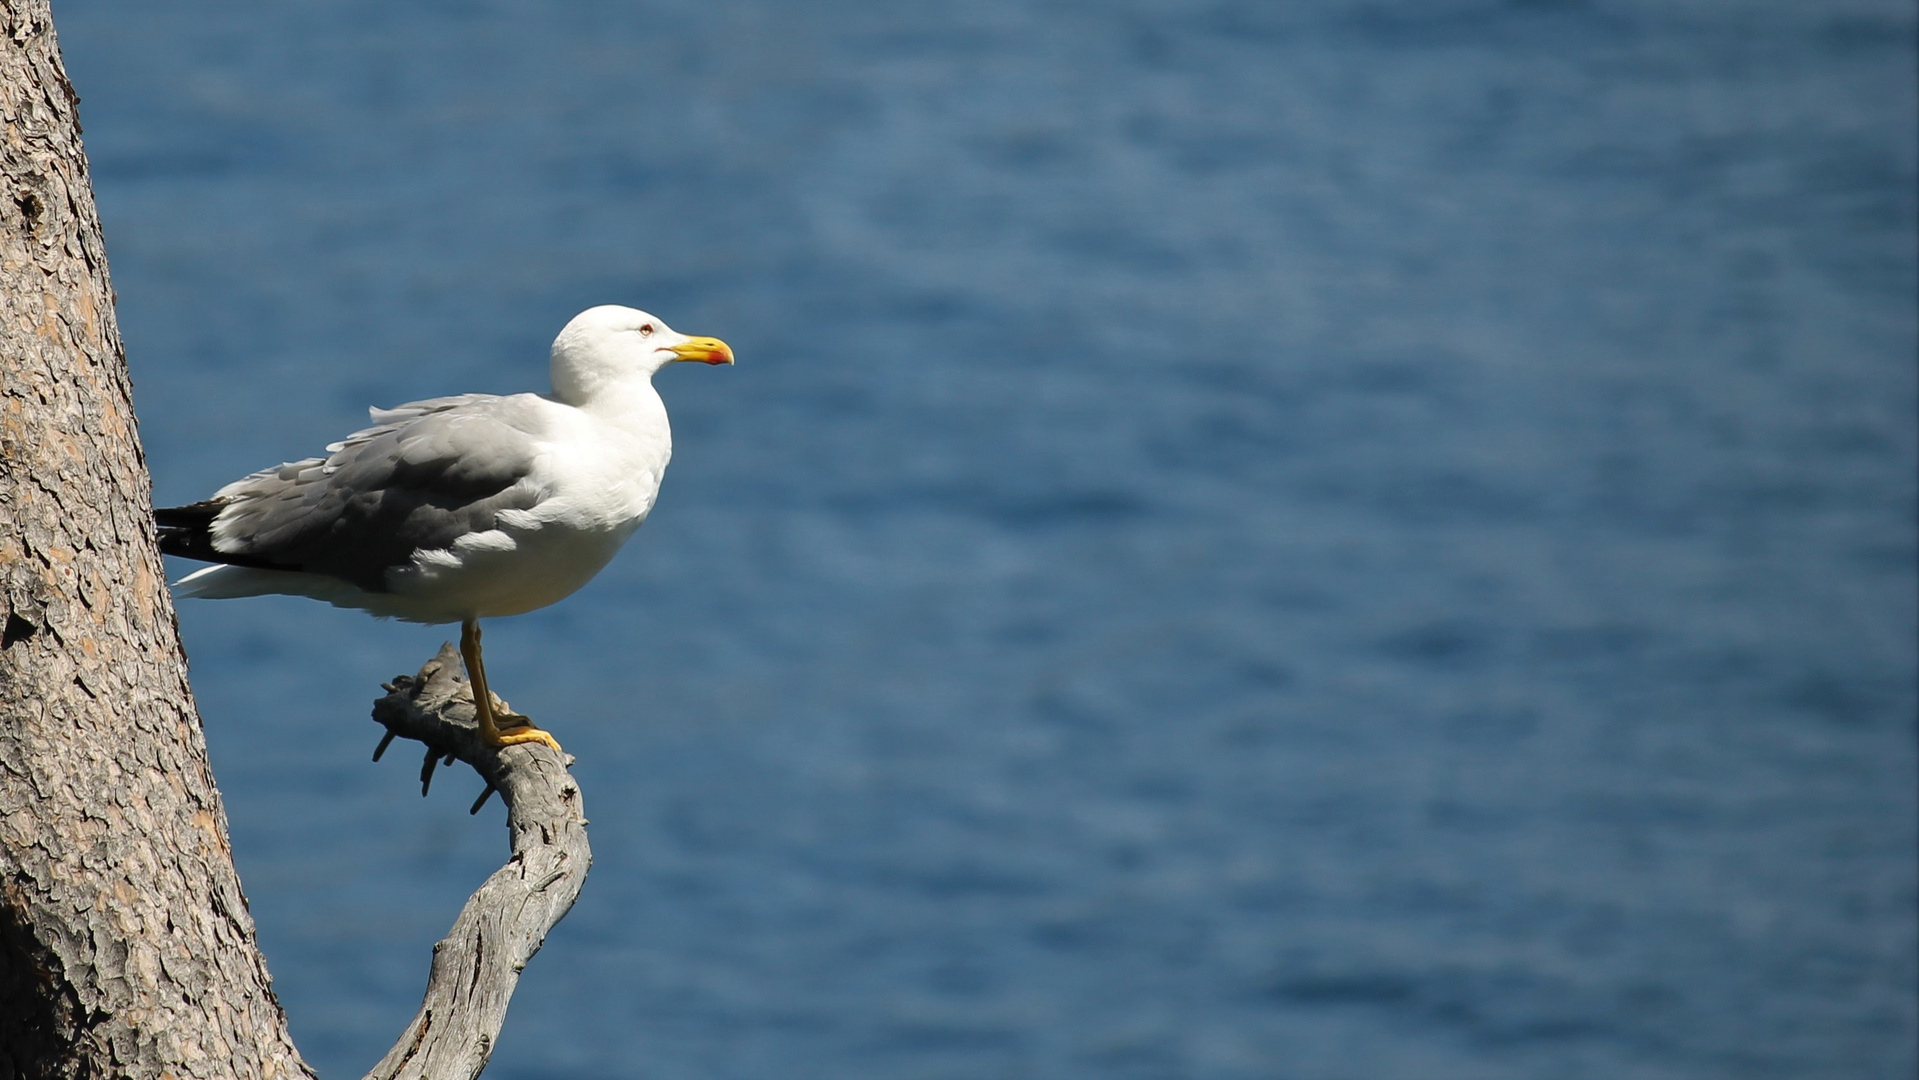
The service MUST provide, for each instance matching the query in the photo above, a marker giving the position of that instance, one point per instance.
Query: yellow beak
(707, 350)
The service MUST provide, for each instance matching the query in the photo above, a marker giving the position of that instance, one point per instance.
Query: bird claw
(527, 733)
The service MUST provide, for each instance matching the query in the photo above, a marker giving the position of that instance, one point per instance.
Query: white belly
(541, 568)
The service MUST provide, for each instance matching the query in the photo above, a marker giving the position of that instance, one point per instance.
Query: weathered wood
(126, 949)
(477, 965)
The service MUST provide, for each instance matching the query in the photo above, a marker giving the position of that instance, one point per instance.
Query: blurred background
(1247, 540)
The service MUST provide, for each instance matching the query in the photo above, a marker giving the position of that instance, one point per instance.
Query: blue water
(1247, 540)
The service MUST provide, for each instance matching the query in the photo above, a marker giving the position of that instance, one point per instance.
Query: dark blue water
(1246, 540)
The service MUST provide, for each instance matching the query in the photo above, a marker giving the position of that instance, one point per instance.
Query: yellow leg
(490, 732)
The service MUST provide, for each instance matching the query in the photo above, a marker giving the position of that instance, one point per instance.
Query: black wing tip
(198, 515)
(187, 531)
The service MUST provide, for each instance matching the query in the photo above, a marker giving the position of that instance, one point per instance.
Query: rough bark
(477, 965)
(126, 949)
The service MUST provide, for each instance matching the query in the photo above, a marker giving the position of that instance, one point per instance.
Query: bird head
(611, 344)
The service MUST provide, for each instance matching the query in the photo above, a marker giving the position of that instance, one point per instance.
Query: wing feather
(424, 475)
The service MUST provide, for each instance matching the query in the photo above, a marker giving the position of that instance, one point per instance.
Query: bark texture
(477, 965)
(126, 949)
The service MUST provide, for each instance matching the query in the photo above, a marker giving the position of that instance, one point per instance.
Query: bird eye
(647, 330)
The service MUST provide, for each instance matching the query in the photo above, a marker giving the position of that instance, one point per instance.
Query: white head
(608, 345)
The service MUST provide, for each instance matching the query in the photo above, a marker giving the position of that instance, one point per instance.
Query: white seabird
(460, 508)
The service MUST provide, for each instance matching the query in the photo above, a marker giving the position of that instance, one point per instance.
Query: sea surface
(1247, 539)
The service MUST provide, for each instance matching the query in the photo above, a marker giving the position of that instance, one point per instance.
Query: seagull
(456, 509)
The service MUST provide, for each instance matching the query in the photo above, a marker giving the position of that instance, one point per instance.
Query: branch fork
(477, 965)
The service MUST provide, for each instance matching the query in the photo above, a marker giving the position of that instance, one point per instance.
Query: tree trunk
(126, 949)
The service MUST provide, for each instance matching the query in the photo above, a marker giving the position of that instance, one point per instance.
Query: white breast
(597, 476)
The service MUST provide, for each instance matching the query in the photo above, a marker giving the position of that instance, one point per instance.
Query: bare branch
(504, 923)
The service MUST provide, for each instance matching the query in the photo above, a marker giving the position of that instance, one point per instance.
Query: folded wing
(425, 475)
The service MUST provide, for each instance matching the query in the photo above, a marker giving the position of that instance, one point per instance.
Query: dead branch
(504, 923)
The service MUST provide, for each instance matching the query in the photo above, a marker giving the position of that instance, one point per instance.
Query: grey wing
(425, 475)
